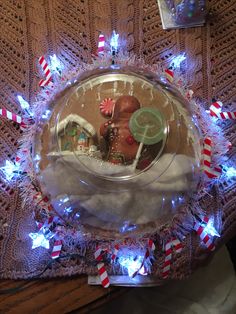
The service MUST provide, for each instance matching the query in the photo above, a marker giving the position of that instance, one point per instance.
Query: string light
(46, 114)
(177, 60)
(114, 42)
(230, 172)
(11, 170)
(24, 105)
(55, 64)
(132, 264)
(39, 240)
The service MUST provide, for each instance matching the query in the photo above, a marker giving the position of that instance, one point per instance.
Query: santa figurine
(122, 147)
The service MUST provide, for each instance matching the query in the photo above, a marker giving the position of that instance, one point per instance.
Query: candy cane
(169, 75)
(215, 111)
(101, 44)
(101, 268)
(204, 236)
(227, 115)
(167, 261)
(46, 71)
(10, 115)
(56, 250)
(212, 173)
(13, 117)
(215, 108)
(177, 245)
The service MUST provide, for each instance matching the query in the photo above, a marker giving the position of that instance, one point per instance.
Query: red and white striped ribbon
(211, 172)
(56, 250)
(115, 252)
(101, 44)
(169, 246)
(47, 73)
(204, 236)
(101, 268)
(169, 75)
(215, 111)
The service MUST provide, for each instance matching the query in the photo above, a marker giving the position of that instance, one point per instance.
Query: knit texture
(31, 28)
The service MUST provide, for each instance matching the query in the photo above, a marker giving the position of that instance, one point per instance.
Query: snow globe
(120, 153)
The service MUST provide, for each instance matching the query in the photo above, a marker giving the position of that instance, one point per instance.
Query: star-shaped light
(210, 229)
(132, 264)
(39, 240)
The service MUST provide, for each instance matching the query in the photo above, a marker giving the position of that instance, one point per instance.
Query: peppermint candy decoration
(106, 107)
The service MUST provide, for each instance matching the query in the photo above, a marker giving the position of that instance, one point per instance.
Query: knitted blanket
(31, 28)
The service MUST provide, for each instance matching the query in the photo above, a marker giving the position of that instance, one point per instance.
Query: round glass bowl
(120, 152)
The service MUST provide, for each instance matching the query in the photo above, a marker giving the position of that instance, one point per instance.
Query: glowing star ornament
(210, 229)
(39, 240)
(11, 170)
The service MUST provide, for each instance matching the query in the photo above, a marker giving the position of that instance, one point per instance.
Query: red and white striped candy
(215, 111)
(215, 108)
(47, 73)
(10, 116)
(106, 107)
(204, 236)
(227, 115)
(56, 250)
(169, 75)
(101, 44)
(101, 268)
(177, 245)
(211, 172)
(167, 261)
(115, 252)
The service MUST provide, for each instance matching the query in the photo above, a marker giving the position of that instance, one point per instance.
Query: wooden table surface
(62, 295)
